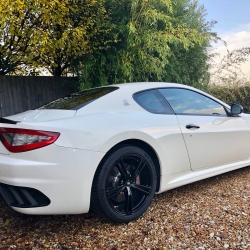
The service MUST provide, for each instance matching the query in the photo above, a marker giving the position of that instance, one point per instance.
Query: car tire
(124, 184)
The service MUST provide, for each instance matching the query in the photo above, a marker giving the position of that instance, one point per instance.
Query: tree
(190, 66)
(227, 71)
(48, 33)
(144, 34)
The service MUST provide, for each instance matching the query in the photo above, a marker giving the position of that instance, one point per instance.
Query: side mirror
(236, 109)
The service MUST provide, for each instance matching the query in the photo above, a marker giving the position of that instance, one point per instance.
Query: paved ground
(210, 214)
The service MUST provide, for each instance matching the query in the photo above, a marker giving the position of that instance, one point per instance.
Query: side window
(153, 102)
(185, 101)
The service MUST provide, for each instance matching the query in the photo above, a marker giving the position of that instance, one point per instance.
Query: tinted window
(189, 102)
(79, 99)
(152, 101)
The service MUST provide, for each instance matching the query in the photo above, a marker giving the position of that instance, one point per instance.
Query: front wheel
(124, 184)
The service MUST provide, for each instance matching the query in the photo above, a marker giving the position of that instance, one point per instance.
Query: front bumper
(49, 180)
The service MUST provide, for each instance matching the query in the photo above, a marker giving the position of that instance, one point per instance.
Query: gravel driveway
(210, 214)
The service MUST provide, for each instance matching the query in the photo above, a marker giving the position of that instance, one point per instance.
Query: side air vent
(23, 197)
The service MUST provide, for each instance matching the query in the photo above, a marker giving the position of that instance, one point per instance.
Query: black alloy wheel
(124, 185)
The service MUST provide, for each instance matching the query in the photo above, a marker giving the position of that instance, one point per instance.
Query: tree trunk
(57, 71)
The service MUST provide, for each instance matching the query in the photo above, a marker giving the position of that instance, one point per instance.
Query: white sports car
(112, 148)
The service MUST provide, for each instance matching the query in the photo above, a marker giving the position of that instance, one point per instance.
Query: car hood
(42, 115)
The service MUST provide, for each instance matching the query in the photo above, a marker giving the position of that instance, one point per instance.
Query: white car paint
(43, 115)
(218, 141)
(58, 172)
(64, 171)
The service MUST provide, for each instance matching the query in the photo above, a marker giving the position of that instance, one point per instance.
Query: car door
(212, 137)
(160, 123)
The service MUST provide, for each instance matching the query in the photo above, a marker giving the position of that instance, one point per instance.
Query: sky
(233, 24)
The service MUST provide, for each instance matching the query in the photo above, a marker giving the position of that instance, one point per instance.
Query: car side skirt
(175, 180)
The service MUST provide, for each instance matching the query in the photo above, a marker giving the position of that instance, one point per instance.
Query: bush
(231, 94)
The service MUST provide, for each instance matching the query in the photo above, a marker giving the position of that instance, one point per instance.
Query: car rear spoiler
(4, 120)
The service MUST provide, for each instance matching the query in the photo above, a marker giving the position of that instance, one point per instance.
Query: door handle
(190, 126)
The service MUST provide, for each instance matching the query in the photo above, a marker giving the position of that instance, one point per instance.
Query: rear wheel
(124, 185)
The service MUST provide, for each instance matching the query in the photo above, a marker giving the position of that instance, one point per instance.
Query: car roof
(147, 85)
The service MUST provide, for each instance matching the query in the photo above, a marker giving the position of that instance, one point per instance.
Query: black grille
(23, 197)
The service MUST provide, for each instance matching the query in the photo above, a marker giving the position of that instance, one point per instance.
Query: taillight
(20, 140)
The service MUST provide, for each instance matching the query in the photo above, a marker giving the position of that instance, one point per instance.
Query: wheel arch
(143, 145)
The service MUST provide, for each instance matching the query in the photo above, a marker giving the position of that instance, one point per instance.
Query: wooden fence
(21, 93)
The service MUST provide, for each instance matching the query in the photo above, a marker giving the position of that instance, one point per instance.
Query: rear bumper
(23, 197)
(50, 180)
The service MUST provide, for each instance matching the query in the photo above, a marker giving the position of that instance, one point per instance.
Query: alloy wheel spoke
(114, 191)
(143, 189)
(121, 167)
(139, 169)
(129, 205)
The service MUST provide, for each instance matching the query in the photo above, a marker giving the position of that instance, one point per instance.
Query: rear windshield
(78, 100)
